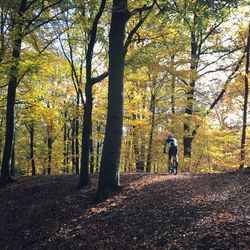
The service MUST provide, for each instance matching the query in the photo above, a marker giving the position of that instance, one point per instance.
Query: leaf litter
(153, 211)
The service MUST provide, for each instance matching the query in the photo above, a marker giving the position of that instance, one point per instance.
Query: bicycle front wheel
(175, 170)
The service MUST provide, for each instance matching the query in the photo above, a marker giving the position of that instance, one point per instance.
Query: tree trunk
(65, 144)
(68, 151)
(73, 159)
(138, 156)
(149, 155)
(91, 151)
(11, 98)
(32, 154)
(97, 156)
(98, 146)
(173, 83)
(49, 144)
(1, 139)
(2, 34)
(86, 133)
(109, 177)
(127, 155)
(87, 118)
(77, 159)
(187, 142)
(245, 106)
(188, 131)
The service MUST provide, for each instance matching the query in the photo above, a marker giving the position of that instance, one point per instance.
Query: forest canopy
(174, 67)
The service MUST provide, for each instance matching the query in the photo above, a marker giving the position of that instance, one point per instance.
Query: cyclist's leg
(176, 155)
(170, 159)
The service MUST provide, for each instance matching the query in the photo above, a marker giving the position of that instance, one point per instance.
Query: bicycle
(173, 166)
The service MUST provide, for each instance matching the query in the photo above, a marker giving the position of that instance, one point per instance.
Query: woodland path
(153, 211)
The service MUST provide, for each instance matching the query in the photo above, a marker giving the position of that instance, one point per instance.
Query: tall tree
(21, 27)
(31, 129)
(245, 106)
(10, 113)
(87, 119)
(109, 169)
(109, 176)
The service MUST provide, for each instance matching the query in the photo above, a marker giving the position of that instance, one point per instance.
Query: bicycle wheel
(175, 166)
(170, 167)
(175, 170)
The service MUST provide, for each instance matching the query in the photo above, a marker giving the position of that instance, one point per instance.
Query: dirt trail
(158, 211)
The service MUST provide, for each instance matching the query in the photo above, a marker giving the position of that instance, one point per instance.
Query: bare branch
(219, 58)
(138, 25)
(57, 134)
(22, 146)
(158, 6)
(142, 9)
(42, 10)
(41, 52)
(99, 78)
(230, 77)
(3, 86)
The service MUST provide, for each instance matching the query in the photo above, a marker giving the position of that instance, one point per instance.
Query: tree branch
(230, 77)
(138, 25)
(99, 78)
(142, 9)
(42, 10)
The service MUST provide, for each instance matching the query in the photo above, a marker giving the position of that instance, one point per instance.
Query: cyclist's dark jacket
(172, 147)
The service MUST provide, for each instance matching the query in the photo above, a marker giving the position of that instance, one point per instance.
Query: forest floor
(153, 211)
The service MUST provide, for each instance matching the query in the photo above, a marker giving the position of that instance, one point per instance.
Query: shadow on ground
(187, 211)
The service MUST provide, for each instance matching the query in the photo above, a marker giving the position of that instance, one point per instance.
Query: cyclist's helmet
(170, 136)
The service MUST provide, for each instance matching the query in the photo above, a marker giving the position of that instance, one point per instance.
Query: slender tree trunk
(245, 107)
(2, 35)
(77, 163)
(149, 155)
(49, 145)
(139, 159)
(32, 153)
(98, 146)
(11, 98)
(87, 124)
(86, 131)
(65, 145)
(142, 143)
(109, 177)
(87, 118)
(91, 151)
(73, 158)
(126, 157)
(173, 81)
(130, 166)
(68, 151)
(1, 139)
(188, 131)
(97, 156)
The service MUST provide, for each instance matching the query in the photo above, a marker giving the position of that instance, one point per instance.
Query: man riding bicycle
(172, 149)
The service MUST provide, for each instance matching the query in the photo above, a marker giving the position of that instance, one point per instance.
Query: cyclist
(172, 148)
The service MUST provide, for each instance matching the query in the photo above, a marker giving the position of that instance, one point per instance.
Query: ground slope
(187, 211)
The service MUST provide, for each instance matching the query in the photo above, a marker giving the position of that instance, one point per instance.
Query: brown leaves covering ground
(187, 211)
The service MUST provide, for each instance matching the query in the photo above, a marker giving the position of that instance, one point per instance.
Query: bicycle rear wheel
(170, 169)
(175, 166)
(175, 170)
(171, 165)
